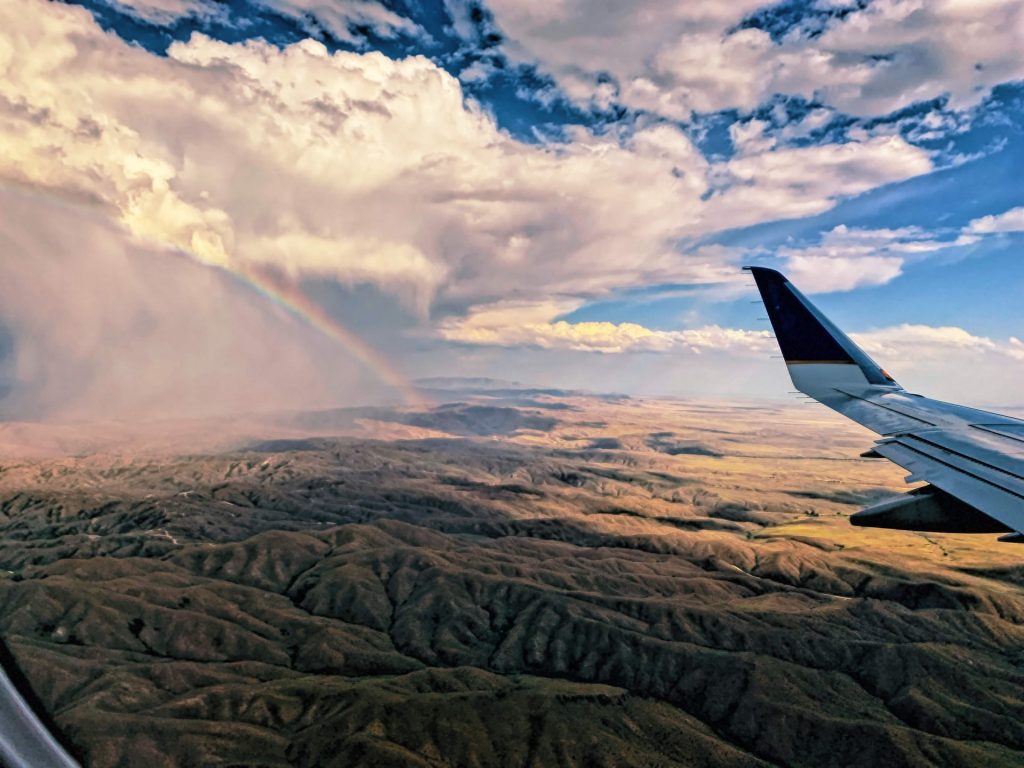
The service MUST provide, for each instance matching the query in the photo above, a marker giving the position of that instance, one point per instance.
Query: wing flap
(998, 492)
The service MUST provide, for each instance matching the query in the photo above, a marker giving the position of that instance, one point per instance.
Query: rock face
(617, 586)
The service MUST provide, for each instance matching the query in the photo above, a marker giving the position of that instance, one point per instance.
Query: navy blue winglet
(804, 334)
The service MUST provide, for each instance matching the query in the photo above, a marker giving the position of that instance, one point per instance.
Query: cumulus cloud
(676, 58)
(915, 343)
(1008, 221)
(949, 362)
(523, 324)
(363, 169)
(947, 351)
(578, 41)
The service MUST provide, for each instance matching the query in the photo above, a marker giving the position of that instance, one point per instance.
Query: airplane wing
(972, 460)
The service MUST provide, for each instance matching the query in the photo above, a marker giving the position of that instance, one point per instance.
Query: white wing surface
(972, 460)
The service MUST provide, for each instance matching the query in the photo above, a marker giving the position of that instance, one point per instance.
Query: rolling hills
(512, 579)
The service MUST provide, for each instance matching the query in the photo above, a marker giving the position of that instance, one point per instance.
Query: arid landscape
(508, 578)
(411, 384)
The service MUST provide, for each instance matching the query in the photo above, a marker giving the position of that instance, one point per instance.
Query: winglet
(808, 338)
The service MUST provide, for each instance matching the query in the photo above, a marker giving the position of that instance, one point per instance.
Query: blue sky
(469, 186)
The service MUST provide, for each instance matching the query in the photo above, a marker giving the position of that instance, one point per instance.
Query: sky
(241, 205)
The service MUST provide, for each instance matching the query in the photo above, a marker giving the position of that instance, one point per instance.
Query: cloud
(846, 258)
(1008, 221)
(352, 261)
(580, 42)
(774, 183)
(368, 170)
(348, 168)
(949, 362)
(138, 331)
(520, 324)
(822, 274)
(916, 343)
(675, 58)
(341, 17)
(165, 12)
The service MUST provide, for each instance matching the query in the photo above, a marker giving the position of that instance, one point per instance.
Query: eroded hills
(526, 579)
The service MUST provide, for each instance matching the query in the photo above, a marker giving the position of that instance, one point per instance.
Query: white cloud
(916, 343)
(339, 17)
(352, 168)
(847, 258)
(949, 362)
(166, 11)
(520, 324)
(802, 181)
(821, 274)
(364, 169)
(673, 58)
(576, 40)
(1008, 221)
(959, 48)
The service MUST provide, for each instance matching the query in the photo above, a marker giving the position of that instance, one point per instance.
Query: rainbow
(287, 295)
(278, 290)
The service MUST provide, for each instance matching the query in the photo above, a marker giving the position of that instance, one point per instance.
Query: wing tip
(765, 271)
(805, 335)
